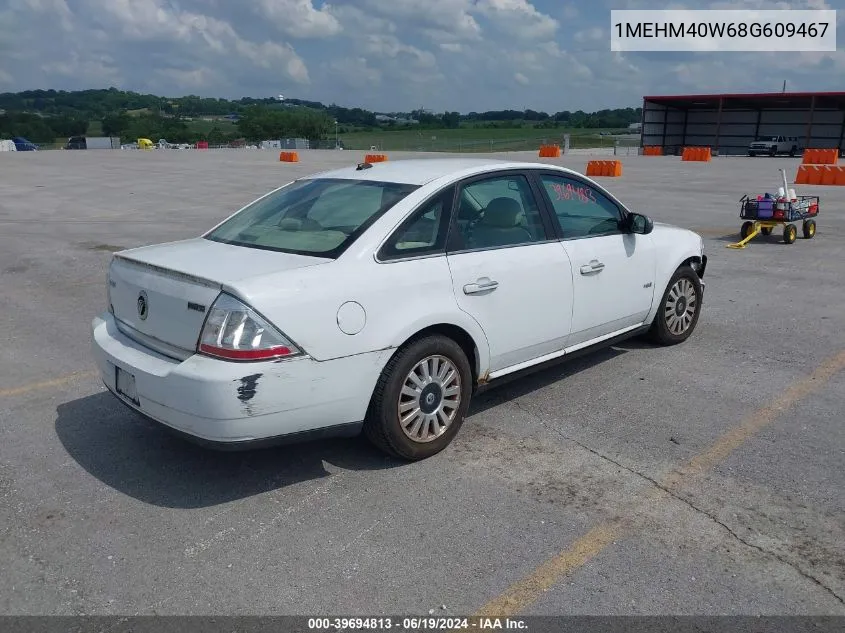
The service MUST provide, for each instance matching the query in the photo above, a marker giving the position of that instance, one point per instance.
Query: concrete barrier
(699, 154)
(820, 156)
(611, 168)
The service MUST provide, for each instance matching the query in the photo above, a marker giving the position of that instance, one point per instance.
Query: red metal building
(729, 122)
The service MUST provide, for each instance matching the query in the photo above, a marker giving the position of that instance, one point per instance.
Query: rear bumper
(233, 405)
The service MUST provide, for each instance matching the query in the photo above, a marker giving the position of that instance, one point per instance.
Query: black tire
(766, 230)
(746, 229)
(790, 233)
(809, 229)
(793, 151)
(382, 424)
(660, 331)
(773, 152)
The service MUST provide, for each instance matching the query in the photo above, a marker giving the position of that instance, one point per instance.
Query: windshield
(320, 217)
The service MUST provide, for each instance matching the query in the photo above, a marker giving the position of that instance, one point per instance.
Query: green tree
(115, 124)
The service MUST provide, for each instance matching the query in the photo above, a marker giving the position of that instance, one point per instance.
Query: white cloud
(149, 21)
(382, 54)
(54, 8)
(519, 19)
(590, 35)
(196, 79)
(356, 22)
(355, 72)
(299, 18)
(98, 69)
(441, 19)
(452, 47)
(390, 47)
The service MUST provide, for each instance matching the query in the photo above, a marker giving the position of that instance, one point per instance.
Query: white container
(792, 195)
(781, 192)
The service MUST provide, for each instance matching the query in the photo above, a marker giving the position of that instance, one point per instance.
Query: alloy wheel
(429, 399)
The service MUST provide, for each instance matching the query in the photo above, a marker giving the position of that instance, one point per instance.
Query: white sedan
(382, 297)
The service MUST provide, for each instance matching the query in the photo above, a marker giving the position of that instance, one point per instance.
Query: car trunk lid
(164, 292)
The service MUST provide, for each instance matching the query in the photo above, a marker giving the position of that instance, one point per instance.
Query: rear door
(508, 270)
(613, 271)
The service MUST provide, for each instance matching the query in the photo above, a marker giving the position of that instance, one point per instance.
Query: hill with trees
(44, 115)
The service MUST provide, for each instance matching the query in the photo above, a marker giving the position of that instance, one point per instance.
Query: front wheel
(679, 309)
(421, 399)
(790, 232)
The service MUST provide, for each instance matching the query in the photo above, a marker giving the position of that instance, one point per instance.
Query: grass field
(204, 127)
(472, 139)
(469, 138)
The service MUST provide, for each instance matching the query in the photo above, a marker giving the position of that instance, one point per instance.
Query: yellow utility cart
(763, 216)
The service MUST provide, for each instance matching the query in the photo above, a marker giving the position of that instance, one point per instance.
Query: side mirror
(638, 223)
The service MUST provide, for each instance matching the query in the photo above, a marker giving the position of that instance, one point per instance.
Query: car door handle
(593, 267)
(481, 285)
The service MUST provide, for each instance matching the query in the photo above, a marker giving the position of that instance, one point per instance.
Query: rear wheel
(766, 230)
(421, 399)
(809, 229)
(679, 309)
(746, 229)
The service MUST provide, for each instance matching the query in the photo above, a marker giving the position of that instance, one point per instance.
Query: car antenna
(363, 166)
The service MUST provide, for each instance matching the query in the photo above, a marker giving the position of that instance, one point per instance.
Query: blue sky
(384, 55)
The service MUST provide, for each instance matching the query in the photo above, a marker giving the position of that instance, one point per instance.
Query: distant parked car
(381, 297)
(774, 145)
(76, 142)
(24, 145)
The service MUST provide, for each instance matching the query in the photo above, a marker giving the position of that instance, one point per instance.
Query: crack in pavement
(677, 496)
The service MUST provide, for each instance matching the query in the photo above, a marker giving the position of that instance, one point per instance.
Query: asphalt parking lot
(705, 478)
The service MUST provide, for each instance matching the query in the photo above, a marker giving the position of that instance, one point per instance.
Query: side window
(581, 210)
(424, 232)
(498, 211)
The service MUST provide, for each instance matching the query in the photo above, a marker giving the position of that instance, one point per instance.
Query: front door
(508, 270)
(613, 271)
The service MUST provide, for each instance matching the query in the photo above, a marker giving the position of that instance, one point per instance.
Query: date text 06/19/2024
(417, 624)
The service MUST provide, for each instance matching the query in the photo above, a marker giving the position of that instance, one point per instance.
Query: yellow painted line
(46, 384)
(524, 592)
(757, 421)
(530, 588)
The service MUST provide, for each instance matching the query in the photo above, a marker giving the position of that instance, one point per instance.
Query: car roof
(419, 171)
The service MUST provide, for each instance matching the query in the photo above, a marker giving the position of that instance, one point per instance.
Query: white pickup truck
(773, 145)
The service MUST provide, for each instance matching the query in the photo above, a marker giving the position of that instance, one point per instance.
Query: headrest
(502, 213)
(295, 224)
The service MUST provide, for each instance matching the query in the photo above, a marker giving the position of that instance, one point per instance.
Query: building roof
(754, 101)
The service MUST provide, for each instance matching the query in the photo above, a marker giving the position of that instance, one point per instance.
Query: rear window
(320, 217)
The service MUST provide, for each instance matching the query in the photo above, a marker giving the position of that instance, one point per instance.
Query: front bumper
(223, 402)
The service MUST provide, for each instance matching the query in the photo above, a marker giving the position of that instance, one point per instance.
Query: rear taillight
(234, 331)
(108, 290)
